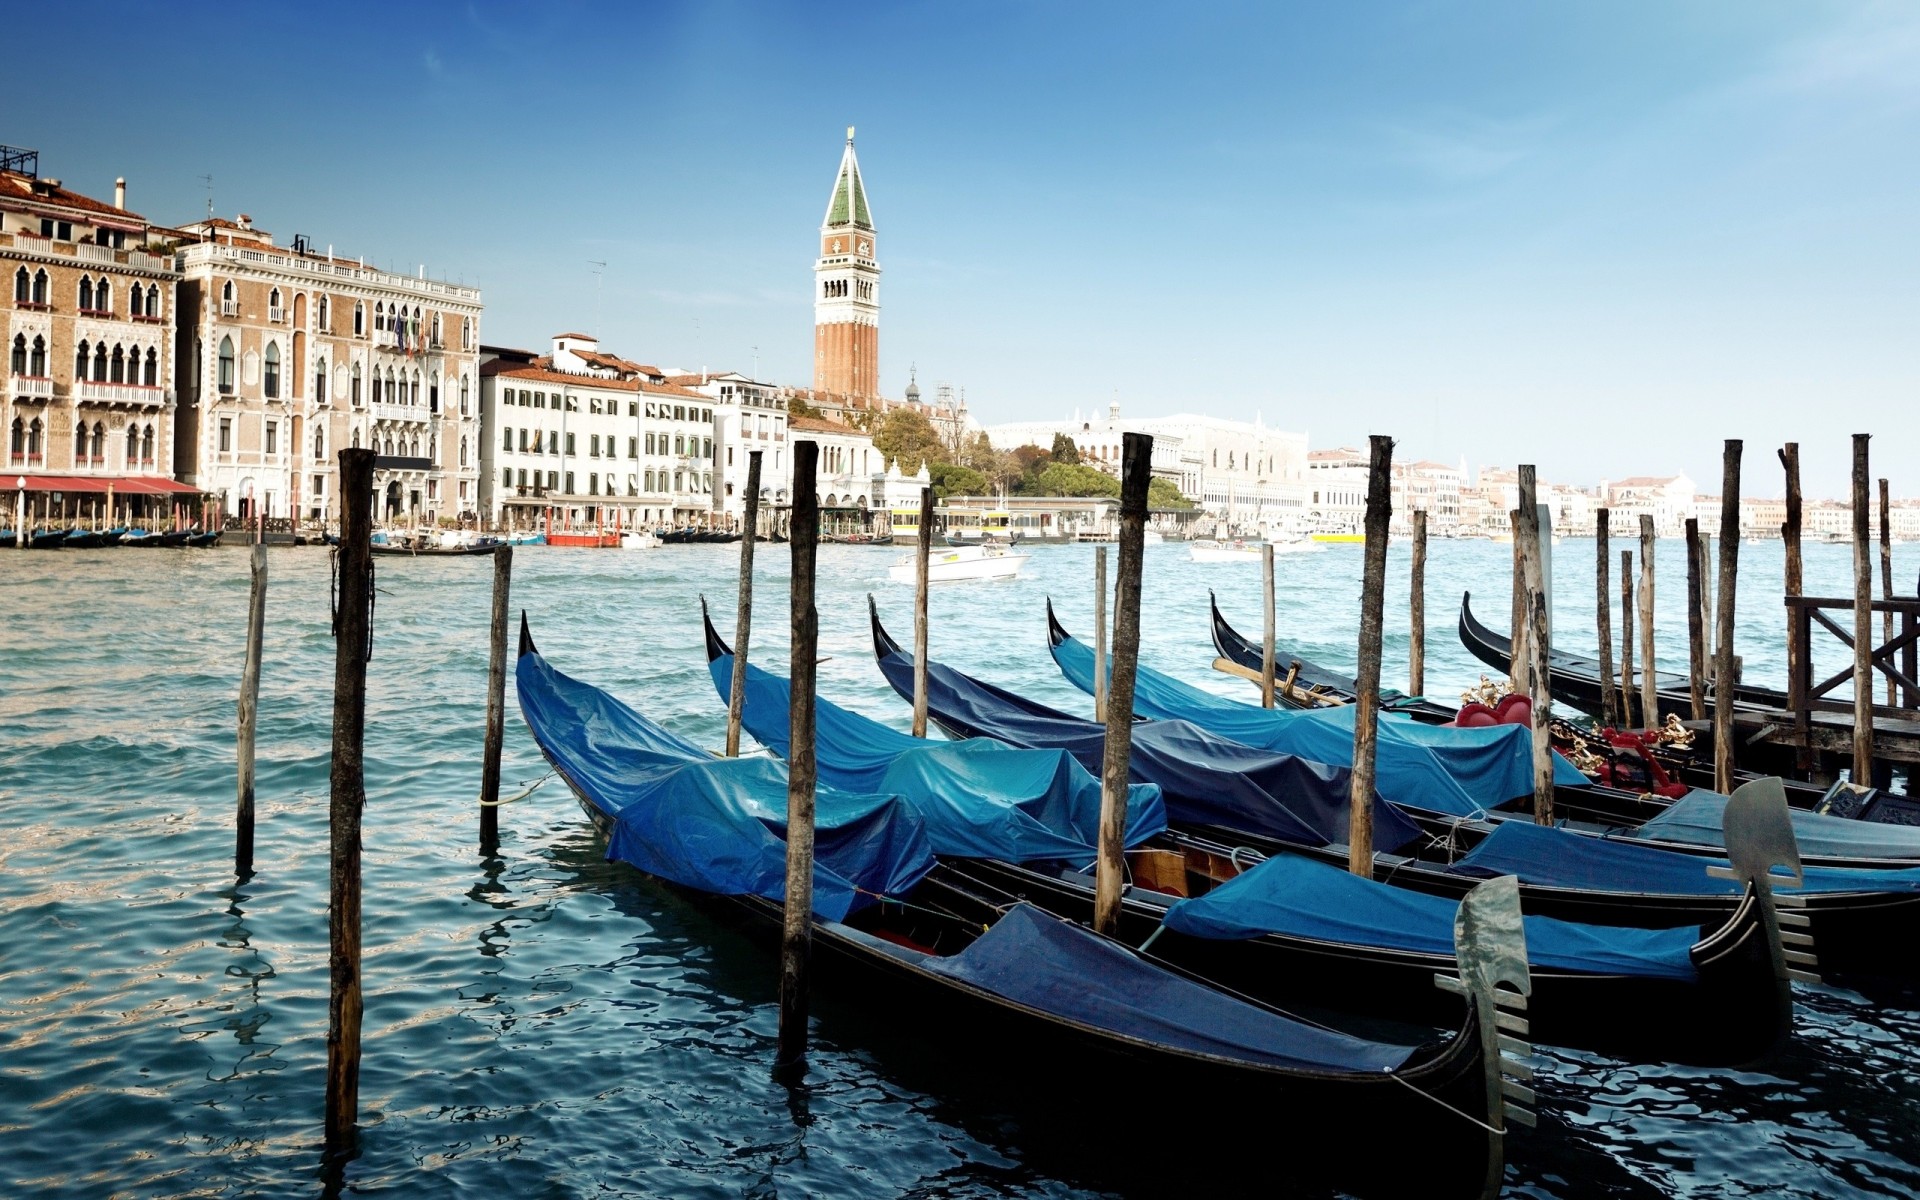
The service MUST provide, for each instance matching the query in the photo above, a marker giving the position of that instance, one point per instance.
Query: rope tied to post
(536, 785)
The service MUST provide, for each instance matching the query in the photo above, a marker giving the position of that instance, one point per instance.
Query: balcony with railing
(130, 395)
(30, 387)
(88, 252)
(277, 315)
(229, 308)
(400, 412)
(208, 253)
(386, 339)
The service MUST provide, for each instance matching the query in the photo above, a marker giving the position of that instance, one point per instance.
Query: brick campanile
(846, 293)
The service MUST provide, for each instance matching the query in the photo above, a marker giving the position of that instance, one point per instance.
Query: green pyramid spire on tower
(849, 203)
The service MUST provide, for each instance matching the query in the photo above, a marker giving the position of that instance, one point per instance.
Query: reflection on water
(545, 1023)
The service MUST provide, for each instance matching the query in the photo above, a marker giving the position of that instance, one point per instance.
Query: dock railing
(1896, 659)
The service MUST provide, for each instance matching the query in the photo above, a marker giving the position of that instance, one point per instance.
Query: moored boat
(960, 563)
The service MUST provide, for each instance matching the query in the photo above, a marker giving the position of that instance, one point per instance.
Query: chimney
(120, 193)
(245, 222)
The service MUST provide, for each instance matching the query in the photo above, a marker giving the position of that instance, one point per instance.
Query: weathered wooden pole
(1366, 712)
(1649, 681)
(1517, 620)
(1794, 580)
(1417, 629)
(1725, 674)
(920, 613)
(1100, 633)
(352, 632)
(1539, 687)
(1266, 642)
(1886, 578)
(1603, 590)
(796, 938)
(1707, 562)
(1862, 618)
(496, 703)
(1696, 626)
(249, 713)
(1626, 642)
(743, 620)
(1136, 472)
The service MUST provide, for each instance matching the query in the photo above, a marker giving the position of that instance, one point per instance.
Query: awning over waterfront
(123, 485)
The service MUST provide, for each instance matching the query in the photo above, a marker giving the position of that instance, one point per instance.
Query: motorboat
(957, 563)
(1207, 550)
(639, 539)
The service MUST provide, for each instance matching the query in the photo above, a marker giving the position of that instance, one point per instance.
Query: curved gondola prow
(1483, 643)
(1056, 632)
(1758, 831)
(526, 636)
(1227, 641)
(717, 648)
(1490, 944)
(883, 643)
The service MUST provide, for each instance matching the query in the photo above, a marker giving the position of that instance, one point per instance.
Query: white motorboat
(1207, 550)
(1152, 537)
(957, 563)
(639, 539)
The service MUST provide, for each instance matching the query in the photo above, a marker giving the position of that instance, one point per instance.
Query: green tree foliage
(1072, 479)
(1064, 451)
(1162, 493)
(952, 479)
(797, 406)
(908, 437)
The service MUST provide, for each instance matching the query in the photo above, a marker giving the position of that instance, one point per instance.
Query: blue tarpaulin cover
(1297, 896)
(1697, 818)
(1038, 960)
(1434, 767)
(979, 798)
(1203, 779)
(717, 824)
(1556, 857)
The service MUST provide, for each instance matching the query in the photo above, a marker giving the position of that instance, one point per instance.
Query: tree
(797, 406)
(1072, 479)
(1162, 493)
(909, 438)
(1064, 451)
(952, 479)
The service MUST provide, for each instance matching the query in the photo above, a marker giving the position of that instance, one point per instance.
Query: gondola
(1313, 684)
(409, 551)
(1865, 920)
(1012, 989)
(1290, 930)
(84, 539)
(1575, 680)
(47, 539)
(205, 539)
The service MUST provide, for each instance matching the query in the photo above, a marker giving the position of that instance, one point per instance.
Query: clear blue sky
(1597, 236)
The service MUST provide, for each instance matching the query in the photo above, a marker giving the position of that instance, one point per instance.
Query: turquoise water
(545, 1023)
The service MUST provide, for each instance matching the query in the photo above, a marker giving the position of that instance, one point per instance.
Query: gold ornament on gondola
(1487, 692)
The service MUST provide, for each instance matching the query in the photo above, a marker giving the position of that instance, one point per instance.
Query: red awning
(125, 485)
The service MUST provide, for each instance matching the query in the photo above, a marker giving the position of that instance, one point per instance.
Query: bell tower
(846, 290)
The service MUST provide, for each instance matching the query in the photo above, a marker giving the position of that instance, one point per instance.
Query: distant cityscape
(206, 368)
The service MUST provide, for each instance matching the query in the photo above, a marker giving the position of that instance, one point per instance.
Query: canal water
(545, 1024)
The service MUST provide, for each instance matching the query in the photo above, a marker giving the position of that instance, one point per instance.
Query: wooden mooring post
(1266, 641)
(1603, 615)
(925, 555)
(1366, 713)
(796, 937)
(1136, 472)
(1539, 687)
(1100, 633)
(1862, 618)
(1725, 669)
(352, 632)
(1626, 641)
(1886, 578)
(1649, 681)
(496, 703)
(1794, 584)
(249, 712)
(1696, 625)
(743, 618)
(1417, 617)
(1517, 619)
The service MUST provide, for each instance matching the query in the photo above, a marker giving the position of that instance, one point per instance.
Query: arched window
(270, 382)
(18, 363)
(153, 300)
(326, 313)
(99, 442)
(226, 292)
(133, 444)
(226, 365)
(414, 396)
(37, 360)
(393, 396)
(151, 377)
(100, 362)
(119, 365)
(146, 444)
(463, 395)
(86, 293)
(356, 388)
(463, 452)
(34, 431)
(81, 358)
(17, 439)
(356, 439)
(436, 329)
(22, 291)
(466, 333)
(80, 442)
(320, 443)
(273, 301)
(103, 296)
(40, 287)
(389, 447)
(136, 302)
(359, 318)
(380, 316)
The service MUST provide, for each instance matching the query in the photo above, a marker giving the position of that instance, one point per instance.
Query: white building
(1669, 499)
(596, 438)
(1337, 490)
(748, 415)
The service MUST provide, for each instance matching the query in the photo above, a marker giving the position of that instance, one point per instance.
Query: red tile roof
(13, 183)
(539, 371)
(811, 425)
